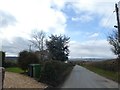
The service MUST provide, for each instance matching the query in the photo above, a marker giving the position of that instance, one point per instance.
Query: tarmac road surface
(81, 77)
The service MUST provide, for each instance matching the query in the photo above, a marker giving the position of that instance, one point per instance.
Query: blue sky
(86, 22)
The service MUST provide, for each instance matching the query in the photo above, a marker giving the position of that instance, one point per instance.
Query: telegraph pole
(118, 21)
(118, 26)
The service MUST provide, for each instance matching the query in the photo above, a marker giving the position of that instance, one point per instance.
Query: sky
(86, 22)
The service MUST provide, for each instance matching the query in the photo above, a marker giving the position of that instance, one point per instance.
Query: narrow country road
(81, 77)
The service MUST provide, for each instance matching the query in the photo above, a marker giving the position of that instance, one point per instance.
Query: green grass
(108, 74)
(14, 69)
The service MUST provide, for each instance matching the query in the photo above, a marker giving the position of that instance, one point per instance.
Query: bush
(53, 72)
(25, 58)
(10, 64)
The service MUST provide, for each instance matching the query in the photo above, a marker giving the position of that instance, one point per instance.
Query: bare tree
(113, 40)
(37, 41)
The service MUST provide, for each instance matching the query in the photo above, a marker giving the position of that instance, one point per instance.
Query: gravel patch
(15, 80)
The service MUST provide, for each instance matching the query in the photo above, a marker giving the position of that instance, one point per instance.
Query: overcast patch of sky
(6, 19)
(90, 49)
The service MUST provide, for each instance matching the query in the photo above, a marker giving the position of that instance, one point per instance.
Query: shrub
(10, 64)
(53, 72)
(25, 58)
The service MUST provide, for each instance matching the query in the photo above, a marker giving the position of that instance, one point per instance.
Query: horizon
(77, 58)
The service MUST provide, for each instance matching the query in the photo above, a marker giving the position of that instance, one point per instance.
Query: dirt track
(15, 80)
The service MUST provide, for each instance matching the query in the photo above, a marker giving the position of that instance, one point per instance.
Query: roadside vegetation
(54, 67)
(114, 41)
(10, 63)
(26, 58)
(12, 66)
(54, 72)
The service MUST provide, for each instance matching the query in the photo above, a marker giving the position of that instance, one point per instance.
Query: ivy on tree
(58, 47)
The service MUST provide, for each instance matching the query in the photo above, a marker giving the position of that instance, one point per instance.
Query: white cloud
(0, 45)
(83, 18)
(47, 15)
(94, 35)
(31, 14)
(100, 48)
(93, 6)
(14, 46)
(108, 21)
(6, 19)
(58, 4)
(101, 8)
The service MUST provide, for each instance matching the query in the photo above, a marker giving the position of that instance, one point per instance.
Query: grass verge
(108, 74)
(14, 69)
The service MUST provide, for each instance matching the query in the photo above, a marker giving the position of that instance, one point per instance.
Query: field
(108, 68)
(14, 69)
(108, 74)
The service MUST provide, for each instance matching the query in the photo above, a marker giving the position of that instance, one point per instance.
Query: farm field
(107, 74)
(108, 69)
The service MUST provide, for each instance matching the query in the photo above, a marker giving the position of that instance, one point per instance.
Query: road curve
(81, 77)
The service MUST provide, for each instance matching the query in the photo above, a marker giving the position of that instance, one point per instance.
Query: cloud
(93, 6)
(108, 21)
(90, 48)
(83, 18)
(49, 16)
(31, 14)
(6, 19)
(94, 35)
(101, 8)
(15, 46)
(58, 4)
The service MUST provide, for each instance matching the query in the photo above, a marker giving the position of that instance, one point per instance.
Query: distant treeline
(10, 62)
(11, 58)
